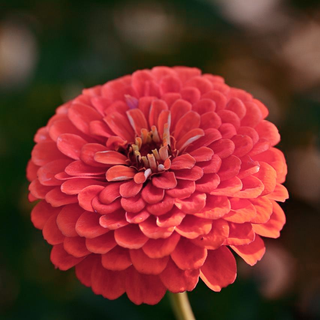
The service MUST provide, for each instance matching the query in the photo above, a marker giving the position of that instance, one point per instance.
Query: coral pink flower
(146, 183)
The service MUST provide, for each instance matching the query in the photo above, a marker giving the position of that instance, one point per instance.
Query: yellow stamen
(155, 134)
(152, 162)
(144, 136)
(156, 154)
(163, 153)
(145, 161)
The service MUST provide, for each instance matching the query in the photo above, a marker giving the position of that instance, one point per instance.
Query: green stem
(181, 306)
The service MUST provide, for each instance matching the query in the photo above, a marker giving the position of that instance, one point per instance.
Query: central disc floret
(150, 151)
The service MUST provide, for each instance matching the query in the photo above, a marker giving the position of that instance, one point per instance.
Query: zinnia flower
(146, 182)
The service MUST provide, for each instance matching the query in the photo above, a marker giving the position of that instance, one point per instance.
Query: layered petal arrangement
(146, 182)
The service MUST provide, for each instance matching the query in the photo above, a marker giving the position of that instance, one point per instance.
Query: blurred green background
(50, 50)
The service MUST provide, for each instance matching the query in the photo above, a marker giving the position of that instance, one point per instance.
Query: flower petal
(189, 174)
(223, 148)
(114, 220)
(130, 237)
(208, 183)
(248, 167)
(76, 246)
(178, 109)
(101, 244)
(211, 135)
(162, 207)
(216, 237)
(192, 227)
(134, 204)
(57, 198)
(116, 259)
(276, 159)
(228, 116)
(75, 186)
(253, 115)
(110, 193)
(120, 173)
(264, 209)
(78, 168)
(166, 180)
(185, 161)
(280, 193)
(216, 207)
(240, 234)
(61, 259)
(152, 194)
(211, 166)
(250, 132)
(170, 98)
(100, 129)
(219, 270)
(88, 225)
(110, 157)
(86, 196)
(202, 154)
(184, 189)
(268, 131)
(62, 126)
(157, 106)
(170, 84)
(177, 280)
(84, 269)
(44, 152)
(237, 106)
(268, 176)
(251, 253)
(67, 219)
(243, 145)
(81, 116)
(105, 208)
(159, 248)
(227, 131)
(252, 187)
(204, 106)
(142, 288)
(228, 188)
(70, 145)
(216, 96)
(193, 204)
(170, 219)
(46, 173)
(242, 210)
(111, 284)
(153, 231)
(189, 138)
(188, 122)
(51, 232)
(210, 120)
(120, 125)
(144, 83)
(186, 255)
(147, 265)
(272, 228)
(137, 218)
(137, 120)
(41, 213)
(129, 189)
(200, 83)
(190, 94)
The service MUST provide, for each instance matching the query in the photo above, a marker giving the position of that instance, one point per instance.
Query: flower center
(149, 151)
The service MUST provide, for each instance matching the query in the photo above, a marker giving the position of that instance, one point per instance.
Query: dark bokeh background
(50, 50)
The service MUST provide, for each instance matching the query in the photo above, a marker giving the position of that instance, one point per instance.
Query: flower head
(146, 182)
